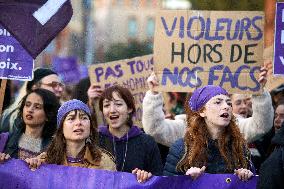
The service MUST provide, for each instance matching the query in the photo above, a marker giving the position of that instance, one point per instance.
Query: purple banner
(67, 68)
(16, 174)
(15, 62)
(278, 67)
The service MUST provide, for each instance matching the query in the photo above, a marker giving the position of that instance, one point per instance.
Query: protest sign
(35, 23)
(130, 73)
(198, 48)
(273, 81)
(15, 62)
(278, 66)
(16, 174)
(67, 68)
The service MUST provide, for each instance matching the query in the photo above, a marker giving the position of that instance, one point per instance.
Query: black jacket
(271, 174)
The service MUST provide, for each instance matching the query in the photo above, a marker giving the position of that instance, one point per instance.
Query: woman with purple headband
(167, 131)
(212, 142)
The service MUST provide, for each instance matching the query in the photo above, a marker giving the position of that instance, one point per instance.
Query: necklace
(114, 149)
(74, 160)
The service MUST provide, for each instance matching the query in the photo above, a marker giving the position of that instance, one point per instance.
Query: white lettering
(282, 59)
(6, 48)
(9, 65)
(4, 32)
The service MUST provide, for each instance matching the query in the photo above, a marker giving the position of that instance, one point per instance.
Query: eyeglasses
(54, 84)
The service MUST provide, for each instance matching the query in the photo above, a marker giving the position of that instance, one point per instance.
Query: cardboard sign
(278, 66)
(67, 68)
(15, 62)
(129, 73)
(198, 48)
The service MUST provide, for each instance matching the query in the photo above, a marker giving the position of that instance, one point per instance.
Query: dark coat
(12, 146)
(138, 150)
(271, 174)
(216, 163)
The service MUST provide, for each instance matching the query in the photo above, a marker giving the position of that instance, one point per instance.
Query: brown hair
(231, 144)
(58, 144)
(125, 94)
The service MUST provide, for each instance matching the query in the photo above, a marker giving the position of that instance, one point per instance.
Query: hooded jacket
(134, 150)
(271, 174)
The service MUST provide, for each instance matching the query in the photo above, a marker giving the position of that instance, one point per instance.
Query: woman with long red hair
(212, 142)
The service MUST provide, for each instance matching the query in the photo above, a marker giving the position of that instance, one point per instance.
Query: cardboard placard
(198, 48)
(129, 73)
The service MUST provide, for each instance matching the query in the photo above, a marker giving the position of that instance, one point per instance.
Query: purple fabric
(17, 17)
(3, 141)
(202, 95)
(133, 132)
(67, 68)
(16, 174)
(278, 67)
(69, 106)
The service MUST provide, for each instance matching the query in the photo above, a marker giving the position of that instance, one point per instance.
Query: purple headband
(202, 95)
(69, 106)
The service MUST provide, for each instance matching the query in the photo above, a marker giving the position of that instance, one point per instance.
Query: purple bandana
(202, 95)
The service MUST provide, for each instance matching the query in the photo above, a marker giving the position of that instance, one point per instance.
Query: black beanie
(39, 73)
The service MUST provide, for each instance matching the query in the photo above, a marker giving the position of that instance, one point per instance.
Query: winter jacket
(133, 150)
(271, 174)
(12, 145)
(106, 162)
(215, 164)
(166, 131)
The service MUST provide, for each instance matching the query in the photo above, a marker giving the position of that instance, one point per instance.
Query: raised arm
(262, 117)
(164, 131)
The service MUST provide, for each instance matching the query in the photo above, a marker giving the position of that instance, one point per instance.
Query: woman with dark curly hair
(212, 142)
(35, 125)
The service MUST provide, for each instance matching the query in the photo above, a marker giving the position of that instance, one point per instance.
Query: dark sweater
(271, 174)
(142, 151)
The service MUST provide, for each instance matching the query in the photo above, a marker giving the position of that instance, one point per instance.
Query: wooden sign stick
(2, 93)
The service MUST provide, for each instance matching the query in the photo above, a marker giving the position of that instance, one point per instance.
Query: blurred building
(96, 24)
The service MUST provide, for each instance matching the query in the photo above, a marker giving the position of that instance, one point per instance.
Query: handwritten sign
(197, 48)
(15, 62)
(130, 73)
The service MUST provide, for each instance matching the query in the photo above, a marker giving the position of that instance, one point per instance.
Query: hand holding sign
(153, 82)
(263, 76)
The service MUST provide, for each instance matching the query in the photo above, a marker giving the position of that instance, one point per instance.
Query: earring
(88, 140)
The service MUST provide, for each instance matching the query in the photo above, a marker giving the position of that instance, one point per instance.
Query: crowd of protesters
(208, 130)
